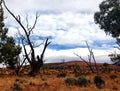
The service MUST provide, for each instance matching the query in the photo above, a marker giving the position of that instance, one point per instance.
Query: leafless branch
(27, 22)
(88, 64)
(45, 46)
(81, 58)
(91, 55)
(30, 28)
(26, 55)
(16, 18)
(35, 22)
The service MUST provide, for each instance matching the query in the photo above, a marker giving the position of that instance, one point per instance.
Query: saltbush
(113, 76)
(82, 81)
(71, 81)
(17, 86)
(62, 74)
(99, 82)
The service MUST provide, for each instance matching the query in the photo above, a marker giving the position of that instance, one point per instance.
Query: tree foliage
(9, 52)
(108, 17)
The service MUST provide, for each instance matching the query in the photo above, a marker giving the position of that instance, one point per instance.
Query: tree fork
(35, 64)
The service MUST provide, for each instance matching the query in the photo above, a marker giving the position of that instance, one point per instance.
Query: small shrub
(89, 81)
(113, 76)
(32, 84)
(43, 79)
(99, 82)
(105, 64)
(82, 81)
(114, 88)
(45, 84)
(62, 74)
(17, 86)
(71, 81)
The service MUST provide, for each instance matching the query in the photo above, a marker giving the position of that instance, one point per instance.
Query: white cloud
(68, 29)
(101, 56)
(54, 5)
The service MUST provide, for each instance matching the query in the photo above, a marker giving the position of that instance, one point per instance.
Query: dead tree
(88, 63)
(35, 62)
(90, 57)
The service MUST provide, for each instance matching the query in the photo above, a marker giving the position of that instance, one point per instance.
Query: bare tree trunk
(35, 67)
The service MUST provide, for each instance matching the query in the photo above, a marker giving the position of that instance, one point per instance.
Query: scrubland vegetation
(62, 77)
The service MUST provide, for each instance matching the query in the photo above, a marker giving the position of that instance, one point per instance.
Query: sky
(67, 24)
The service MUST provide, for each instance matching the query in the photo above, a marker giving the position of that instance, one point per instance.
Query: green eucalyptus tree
(108, 19)
(9, 52)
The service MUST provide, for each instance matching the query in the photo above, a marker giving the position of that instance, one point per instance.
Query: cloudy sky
(67, 23)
